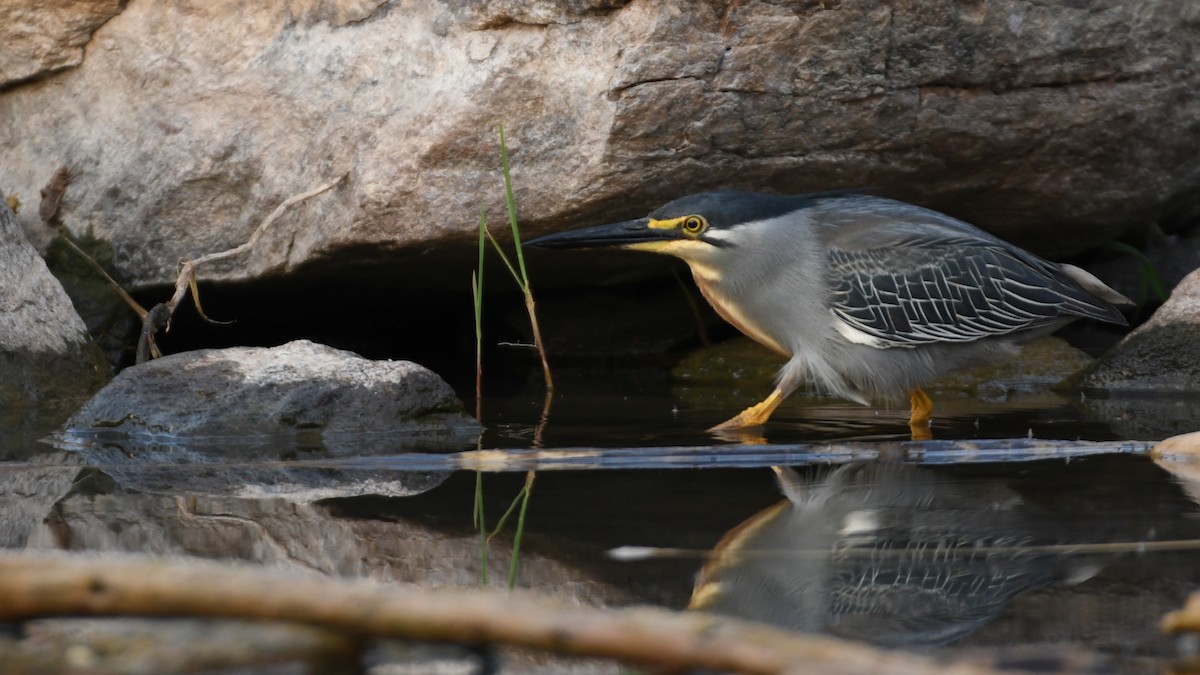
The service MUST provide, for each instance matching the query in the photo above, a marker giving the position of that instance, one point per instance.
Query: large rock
(46, 355)
(248, 392)
(38, 38)
(1162, 356)
(1055, 125)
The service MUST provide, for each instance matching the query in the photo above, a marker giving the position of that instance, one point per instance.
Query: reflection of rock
(27, 498)
(1162, 355)
(1180, 456)
(887, 553)
(1145, 418)
(281, 533)
(47, 354)
(297, 388)
(270, 467)
(1186, 473)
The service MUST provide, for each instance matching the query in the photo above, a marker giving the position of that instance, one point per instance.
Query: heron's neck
(714, 292)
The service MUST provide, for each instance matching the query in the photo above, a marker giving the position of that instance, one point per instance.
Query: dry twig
(158, 319)
(52, 199)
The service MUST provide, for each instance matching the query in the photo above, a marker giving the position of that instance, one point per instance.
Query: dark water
(1043, 548)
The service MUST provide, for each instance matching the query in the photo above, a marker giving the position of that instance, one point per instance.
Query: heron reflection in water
(887, 553)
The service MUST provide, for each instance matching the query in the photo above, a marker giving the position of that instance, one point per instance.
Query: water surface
(1045, 544)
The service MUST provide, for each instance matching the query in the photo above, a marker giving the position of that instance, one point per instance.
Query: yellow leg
(755, 415)
(921, 415)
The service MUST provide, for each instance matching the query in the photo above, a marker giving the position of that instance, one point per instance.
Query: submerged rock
(299, 387)
(45, 352)
(1162, 355)
(739, 361)
(738, 373)
(1043, 364)
(1039, 365)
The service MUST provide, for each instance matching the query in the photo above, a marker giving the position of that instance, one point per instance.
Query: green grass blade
(523, 279)
(516, 551)
(478, 279)
(507, 263)
(512, 209)
(483, 538)
(477, 290)
(483, 246)
(477, 299)
(507, 512)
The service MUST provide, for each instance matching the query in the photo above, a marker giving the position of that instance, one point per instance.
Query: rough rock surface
(1163, 355)
(299, 387)
(45, 352)
(1054, 125)
(40, 38)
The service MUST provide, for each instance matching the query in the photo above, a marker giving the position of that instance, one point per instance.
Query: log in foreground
(110, 585)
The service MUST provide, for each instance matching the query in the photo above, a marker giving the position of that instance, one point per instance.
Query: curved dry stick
(272, 217)
(187, 274)
(56, 585)
(187, 268)
(52, 198)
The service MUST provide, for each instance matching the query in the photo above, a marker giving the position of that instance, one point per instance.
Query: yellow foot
(755, 415)
(921, 416)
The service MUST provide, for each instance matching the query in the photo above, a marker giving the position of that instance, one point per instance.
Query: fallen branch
(262, 227)
(121, 292)
(158, 317)
(54, 585)
(155, 320)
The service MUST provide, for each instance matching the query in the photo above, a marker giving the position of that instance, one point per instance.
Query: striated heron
(869, 298)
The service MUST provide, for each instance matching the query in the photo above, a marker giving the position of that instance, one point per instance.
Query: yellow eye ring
(694, 225)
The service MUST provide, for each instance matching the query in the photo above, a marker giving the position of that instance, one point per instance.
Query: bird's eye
(694, 225)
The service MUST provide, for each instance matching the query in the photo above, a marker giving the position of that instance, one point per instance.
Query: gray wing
(950, 288)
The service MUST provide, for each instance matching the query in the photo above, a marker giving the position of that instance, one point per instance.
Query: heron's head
(706, 229)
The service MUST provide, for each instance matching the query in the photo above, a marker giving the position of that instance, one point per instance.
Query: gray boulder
(297, 388)
(46, 356)
(1162, 356)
